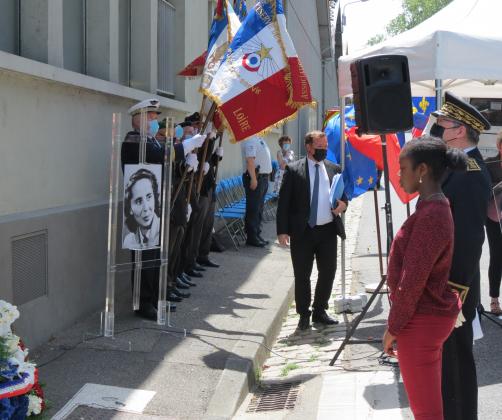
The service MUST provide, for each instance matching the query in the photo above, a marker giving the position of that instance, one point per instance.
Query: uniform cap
(149, 105)
(459, 110)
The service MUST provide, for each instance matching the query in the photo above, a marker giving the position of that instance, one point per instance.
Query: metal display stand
(114, 220)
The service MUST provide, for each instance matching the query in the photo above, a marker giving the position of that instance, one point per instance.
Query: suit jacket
(293, 210)
(468, 193)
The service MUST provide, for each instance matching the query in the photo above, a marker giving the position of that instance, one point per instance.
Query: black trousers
(494, 235)
(459, 380)
(207, 229)
(319, 243)
(176, 234)
(255, 202)
(194, 233)
(150, 266)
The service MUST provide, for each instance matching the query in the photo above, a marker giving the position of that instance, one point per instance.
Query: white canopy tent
(459, 49)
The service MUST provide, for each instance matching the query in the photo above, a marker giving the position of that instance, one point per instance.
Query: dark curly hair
(284, 139)
(435, 154)
(135, 177)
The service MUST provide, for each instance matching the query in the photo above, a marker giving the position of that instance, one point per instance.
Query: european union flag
(240, 9)
(360, 171)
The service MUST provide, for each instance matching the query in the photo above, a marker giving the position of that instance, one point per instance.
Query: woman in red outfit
(424, 308)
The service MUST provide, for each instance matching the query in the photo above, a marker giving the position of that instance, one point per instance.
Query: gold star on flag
(264, 52)
(370, 180)
(359, 180)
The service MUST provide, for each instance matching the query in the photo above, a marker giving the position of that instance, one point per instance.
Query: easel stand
(108, 318)
(383, 277)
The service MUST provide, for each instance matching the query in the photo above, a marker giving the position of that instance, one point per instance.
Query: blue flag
(360, 173)
(240, 9)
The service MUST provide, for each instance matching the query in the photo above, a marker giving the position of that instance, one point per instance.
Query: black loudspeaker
(382, 94)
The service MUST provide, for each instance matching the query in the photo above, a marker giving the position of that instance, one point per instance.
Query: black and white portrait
(142, 206)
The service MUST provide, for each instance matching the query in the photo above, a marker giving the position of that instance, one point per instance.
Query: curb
(249, 354)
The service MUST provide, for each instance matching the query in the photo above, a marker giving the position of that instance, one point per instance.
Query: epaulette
(472, 165)
(460, 289)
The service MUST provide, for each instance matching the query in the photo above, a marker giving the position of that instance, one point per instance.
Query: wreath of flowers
(21, 395)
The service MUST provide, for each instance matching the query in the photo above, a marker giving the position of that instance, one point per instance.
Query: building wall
(56, 140)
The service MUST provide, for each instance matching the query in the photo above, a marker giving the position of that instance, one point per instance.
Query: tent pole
(342, 164)
(439, 92)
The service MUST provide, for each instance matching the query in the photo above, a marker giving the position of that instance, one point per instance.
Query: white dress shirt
(324, 214)
(257, 147)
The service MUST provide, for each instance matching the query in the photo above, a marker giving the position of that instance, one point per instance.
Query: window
(9, 26)
(165, 44)
(124, 41)
(74, 35)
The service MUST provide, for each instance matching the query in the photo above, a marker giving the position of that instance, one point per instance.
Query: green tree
(414, 12)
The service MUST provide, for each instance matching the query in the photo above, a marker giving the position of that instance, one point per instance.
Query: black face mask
(436, 131)
(320, 154)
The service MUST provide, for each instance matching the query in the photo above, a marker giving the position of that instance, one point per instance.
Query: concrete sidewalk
(233, 312)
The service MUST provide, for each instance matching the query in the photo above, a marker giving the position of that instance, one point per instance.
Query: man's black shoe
(181, 294)
(255, 242)
(188, 281)
(208, 263)
(147, 311)
(304, 322)
(173, 306)
(198, 267)
(185, 277)
(181, 284)
(171, 297)
(265, 241)
(193, 273)
(323, 318)
(216, 246)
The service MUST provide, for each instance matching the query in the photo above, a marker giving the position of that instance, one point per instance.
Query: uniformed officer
(154, 155)
(258, 166)
(459, 125)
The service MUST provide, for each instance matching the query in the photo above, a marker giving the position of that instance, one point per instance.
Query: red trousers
(419, 347)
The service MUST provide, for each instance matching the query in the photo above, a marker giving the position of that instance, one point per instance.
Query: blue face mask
(286, 146)
(153, 128)
(178, 132)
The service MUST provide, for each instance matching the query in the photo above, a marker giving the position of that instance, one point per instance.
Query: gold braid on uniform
(462, 116)
(472, 165)
(460, 289)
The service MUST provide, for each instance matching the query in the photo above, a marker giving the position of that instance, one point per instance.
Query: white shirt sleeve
(250, 149)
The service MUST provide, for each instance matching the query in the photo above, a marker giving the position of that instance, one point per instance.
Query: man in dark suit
(306, 219)
(459, 125)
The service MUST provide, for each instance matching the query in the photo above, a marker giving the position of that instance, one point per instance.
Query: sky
(366, 19)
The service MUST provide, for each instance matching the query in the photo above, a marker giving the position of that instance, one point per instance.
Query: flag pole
(209, 118)
(388, 207)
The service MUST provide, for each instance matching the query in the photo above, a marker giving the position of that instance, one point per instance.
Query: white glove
(460, 320)
(192, 143)
(192, 162)
(219, 152)
(189, 212)
(205, 168)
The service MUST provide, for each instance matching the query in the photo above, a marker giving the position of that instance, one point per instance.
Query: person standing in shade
(459, 125)
(306, 219)
(255, 178)
(493, 231)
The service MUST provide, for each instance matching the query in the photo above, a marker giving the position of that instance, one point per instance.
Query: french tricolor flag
(260, 82)
(225, 25)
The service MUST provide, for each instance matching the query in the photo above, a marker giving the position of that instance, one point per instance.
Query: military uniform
(468, 193)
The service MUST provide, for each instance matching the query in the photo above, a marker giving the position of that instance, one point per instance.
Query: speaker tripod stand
(482, 312)
(383, 277)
